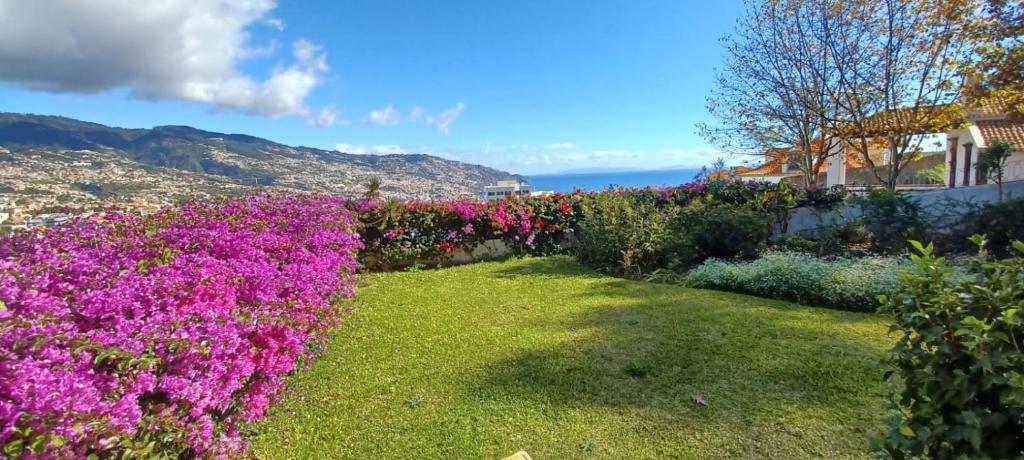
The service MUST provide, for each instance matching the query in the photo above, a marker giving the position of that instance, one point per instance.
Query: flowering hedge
(142, 335)
(400, 233)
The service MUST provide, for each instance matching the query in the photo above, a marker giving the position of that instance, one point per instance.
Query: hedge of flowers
(402, 233)
(399, 233)
(134, 336)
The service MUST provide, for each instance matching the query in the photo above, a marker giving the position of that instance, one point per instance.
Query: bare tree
(897, 63)
(775, 94)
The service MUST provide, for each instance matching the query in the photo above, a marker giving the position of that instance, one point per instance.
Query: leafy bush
(1002, 223)
(797, 243)
(822, 198)
(720, 231)
(848, 284)
(623, 233)
(891, 218)
(156, 336)
(958, 378)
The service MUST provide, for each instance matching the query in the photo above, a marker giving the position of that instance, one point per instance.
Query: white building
(986, 124)
(965, 142)
(506, 189)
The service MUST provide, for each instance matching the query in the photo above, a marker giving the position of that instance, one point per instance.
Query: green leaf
(14, 448)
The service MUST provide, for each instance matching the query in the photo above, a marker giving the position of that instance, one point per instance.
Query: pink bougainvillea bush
(403, 232)
(160, 334)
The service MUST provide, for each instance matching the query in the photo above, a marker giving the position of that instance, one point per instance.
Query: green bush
(891, 218)
(1002, 223)
(958, 377)
(796, 243)
(848, 284)
(719, 231)
(623, 233)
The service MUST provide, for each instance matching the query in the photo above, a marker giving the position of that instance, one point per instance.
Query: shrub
(822, 198)
(798, 243)
(1002, 223)
(623, 233)
(156, 336)
(958, 368)
(848, 284)
(891, 218)
(720, 231)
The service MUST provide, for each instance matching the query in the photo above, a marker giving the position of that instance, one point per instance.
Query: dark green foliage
(891, 218)
(1002, 223)
(822, 198)
(958, 367)
(623, 233)
(993, 162)
(721, 232)
(798, 244)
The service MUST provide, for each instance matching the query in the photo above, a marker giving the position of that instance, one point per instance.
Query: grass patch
(542, 355)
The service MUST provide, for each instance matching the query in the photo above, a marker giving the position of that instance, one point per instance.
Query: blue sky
(525, 86)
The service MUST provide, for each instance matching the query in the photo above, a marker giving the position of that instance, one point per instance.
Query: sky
(525, 86)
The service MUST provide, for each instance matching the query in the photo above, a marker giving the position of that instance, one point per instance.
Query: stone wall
(942, 207)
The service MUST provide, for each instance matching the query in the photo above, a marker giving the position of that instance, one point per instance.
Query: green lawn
(542, 355)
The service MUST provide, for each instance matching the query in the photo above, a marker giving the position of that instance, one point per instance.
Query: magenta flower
(115, 326)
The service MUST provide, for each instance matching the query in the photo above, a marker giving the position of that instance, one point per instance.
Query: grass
(542, 355)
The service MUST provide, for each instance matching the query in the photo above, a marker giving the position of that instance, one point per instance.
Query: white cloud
(386, 149)
(539, 159)
(276, 23)
(387, 116)
(560, 146)
(416, 114)
(445, 120)
(328, 116)
(190, 51)
(353, 149)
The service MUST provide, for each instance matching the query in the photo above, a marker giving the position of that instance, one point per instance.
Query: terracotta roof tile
(929, 119)
(987, 109)
(769, 168)
(1011, 132)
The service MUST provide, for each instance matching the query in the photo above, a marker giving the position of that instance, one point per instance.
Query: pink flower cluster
(163, 333)
(404, 232)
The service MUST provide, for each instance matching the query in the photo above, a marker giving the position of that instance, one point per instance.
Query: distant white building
(46, 220)
(506, 189)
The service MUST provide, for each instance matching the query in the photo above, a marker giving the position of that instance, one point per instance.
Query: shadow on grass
(663, 350)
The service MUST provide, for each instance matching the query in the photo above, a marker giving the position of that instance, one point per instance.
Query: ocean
(593, 182)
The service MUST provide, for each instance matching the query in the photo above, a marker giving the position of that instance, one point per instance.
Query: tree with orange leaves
(997, 72)
(898, 64)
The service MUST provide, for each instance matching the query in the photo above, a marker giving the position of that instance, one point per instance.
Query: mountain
(47, 151)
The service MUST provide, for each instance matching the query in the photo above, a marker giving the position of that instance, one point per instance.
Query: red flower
(446, 246)
(566, 208)
(539, 225)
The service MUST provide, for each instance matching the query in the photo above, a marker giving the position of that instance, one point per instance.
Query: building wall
(958, 143)
(835, 172)
(942, 207)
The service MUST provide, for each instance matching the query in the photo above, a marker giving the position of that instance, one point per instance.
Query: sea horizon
(597, 181)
